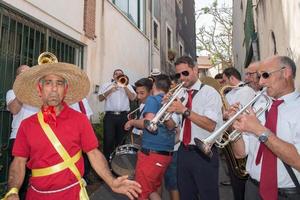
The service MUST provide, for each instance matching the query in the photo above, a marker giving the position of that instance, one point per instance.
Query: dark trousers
(198, 176)
(113, 132)
(238, 185)
(252, 193)
(23, 189)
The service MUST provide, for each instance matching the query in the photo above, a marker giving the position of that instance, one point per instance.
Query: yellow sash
(69, 162)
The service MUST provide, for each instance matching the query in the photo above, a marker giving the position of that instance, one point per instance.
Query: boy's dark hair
(231, 71)
(144, 82)
(218, 76)
(185, 60)
(162, 82)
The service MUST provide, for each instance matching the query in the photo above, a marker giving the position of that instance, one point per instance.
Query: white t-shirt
(288, 129)
(26, 111)
(86, 105)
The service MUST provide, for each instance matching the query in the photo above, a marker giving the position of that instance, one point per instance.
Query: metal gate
(21, 42)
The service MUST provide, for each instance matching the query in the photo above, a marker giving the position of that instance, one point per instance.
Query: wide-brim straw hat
(25, 85)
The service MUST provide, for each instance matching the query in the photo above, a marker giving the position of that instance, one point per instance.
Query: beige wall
(282, 18)
(118, 42)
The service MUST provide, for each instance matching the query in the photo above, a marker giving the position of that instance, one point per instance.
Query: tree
(216, 38)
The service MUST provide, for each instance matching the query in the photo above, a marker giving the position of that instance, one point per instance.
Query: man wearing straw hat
(50, 143)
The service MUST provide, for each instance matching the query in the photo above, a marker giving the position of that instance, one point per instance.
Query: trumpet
(122, 80)
(206, 144)
(162, 115)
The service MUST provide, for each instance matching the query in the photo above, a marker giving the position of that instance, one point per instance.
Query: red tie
(81, 107)
(187, 121)
(268, 177)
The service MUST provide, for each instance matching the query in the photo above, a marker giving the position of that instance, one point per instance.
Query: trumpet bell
(122, 80)
(203, 147)
(47, 57)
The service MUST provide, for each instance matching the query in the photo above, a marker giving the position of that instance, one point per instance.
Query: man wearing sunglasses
(197, 174)
(274, 138)
(251, 76)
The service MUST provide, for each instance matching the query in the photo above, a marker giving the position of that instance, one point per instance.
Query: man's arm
(14, 106)
(238, 147)
(131, 94)
(102, 96)
(16, 174)
(119, 185)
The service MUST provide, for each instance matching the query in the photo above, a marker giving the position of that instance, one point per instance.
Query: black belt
(115, 112)
(281, 191)
(148, 151)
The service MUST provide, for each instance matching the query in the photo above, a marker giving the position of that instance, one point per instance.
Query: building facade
(98, 36)
(265, 28)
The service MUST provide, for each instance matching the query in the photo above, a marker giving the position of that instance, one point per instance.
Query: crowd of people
(172, 112)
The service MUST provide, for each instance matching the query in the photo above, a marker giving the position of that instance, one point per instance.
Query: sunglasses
(266, 75)
(184, 73)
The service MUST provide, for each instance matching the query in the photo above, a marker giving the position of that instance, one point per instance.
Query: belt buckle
(117, 113)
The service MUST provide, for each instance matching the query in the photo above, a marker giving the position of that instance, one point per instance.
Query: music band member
(197, 174)
(274, 138)
(143, 90)
(239, 94)
(251, 76)
(116, 107)
(50, 143)
(157, 145)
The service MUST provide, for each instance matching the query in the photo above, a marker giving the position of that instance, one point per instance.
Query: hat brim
(25, 85)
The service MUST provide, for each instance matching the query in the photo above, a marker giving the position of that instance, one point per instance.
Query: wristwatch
(187, 113)
(263, 138)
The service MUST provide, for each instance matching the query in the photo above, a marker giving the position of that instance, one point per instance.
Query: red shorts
(149, 172)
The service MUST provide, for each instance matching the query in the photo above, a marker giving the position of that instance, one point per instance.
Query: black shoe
(225, 183)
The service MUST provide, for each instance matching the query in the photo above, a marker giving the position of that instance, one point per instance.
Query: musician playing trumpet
(116, 95)
(202, 112)
(272, 142)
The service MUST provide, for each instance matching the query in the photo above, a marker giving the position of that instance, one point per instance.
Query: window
(181, 49)
(156, 31)
(134, 10)
(169, 38)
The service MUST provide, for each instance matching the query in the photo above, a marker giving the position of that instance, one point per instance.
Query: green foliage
(98, 128)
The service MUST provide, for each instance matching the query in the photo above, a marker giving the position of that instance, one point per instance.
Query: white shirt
(25, 111)
(86, 105)
(136, 130)
(206, 102)
(288, 129)
(117, 101)
(243, 95)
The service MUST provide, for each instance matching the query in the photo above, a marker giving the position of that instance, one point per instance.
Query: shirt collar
(196, 85)
(290, 97)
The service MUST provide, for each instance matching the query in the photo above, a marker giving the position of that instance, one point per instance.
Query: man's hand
(124, 186)
(128, 125)
(177, 107)
(234, 108)
(249, 123)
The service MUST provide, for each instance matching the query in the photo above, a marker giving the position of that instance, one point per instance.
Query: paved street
(102, 192)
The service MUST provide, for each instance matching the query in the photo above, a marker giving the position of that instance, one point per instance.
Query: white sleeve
(105, 87)
(10, 96)
(131, 89)
(245, 95)
(213, 109)
(87, 107)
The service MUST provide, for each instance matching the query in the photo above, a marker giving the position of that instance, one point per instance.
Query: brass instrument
(47, 57)
(122, 80)
(162, 115)
(206, 144)
(133, 114)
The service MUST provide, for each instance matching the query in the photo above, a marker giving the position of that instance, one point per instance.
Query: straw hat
(25, 85)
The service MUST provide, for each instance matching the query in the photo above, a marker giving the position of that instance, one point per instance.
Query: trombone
(206, 144)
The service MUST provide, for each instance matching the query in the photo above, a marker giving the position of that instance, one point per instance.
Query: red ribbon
(49, 115)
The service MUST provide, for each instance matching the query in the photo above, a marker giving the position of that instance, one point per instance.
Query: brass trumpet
(47, 57)
(122, 80)
(206, 144)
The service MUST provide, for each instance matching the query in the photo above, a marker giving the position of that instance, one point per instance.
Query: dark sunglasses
(184, 73)
(266, 75)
